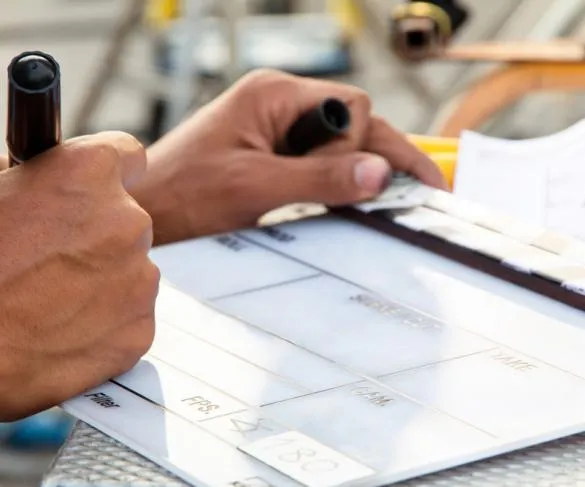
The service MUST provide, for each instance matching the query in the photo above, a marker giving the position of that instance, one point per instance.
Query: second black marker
(329, 120)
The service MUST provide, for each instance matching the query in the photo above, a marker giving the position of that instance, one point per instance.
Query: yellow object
(429, 143)
(159, 13)
(447, 163)
(426, 10)
(348, 14)
(441, 150)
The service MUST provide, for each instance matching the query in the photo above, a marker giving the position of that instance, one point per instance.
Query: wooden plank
(562, 50)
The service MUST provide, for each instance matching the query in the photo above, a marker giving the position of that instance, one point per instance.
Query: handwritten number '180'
(315, 466)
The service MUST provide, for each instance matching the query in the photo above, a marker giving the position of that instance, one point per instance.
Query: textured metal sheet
(90, 458)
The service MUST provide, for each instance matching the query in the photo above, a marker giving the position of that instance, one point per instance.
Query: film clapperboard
(363, 347)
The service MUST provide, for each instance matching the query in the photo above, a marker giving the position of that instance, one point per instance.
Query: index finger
(402, 155)
(280, 99)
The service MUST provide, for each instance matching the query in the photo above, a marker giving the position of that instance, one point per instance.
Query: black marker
(34, 106)
(316, 127)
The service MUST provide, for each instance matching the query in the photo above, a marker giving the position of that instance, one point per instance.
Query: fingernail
(372, 174)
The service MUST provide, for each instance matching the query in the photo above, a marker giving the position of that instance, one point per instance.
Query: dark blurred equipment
(421, 30)
(275, 7)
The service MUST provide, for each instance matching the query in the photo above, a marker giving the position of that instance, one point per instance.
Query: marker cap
(34, 105)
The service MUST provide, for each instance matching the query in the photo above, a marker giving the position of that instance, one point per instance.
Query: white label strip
(441, 201)
(514, 228)
(460, 232)
(553, 241)
(577, 286)
(421, 219)
(440, 213)
(534, 260)
(306, 460)
(575, 253)
(507, 244)
(565, 273)
(488, 243)
(465, 210)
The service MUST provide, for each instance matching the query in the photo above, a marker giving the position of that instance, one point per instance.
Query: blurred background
(142, 66)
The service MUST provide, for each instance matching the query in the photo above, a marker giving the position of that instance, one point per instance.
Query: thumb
(333, 180)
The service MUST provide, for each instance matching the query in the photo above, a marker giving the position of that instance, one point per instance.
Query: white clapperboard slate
(340, 350)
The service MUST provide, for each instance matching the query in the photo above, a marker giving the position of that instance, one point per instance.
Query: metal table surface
(90, 458)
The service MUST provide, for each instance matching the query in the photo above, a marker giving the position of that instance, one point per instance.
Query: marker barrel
(315, 128)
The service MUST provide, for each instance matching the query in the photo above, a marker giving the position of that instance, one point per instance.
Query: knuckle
(121, 229)
(127, 145)
(142, 338)
(91, 161)
(118, 228)
(378, 123)
(146, 293)
(104, 159)
(138, 223)
(152, 280)
(265, 78)
(143, 219)
(140, 332)
(97, 157)
(362, 100)
(144, 330)
(119, 138)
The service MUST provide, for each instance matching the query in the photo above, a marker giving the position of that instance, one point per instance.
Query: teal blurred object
(47, 430)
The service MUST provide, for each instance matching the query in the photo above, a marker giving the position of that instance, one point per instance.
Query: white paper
(540, 181)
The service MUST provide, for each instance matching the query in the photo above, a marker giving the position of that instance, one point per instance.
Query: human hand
(218, 172)
(77, 286)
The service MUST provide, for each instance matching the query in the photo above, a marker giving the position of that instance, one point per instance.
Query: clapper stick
(456, 229)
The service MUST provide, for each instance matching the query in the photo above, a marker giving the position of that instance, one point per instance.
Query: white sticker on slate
(306, 460)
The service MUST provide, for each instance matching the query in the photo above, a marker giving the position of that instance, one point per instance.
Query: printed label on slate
(102, 400)
(306, 460)
(277, 234)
